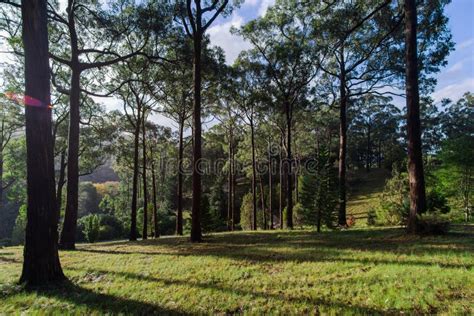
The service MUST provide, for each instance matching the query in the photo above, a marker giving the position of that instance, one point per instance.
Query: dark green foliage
(318, 193)
(217, 205)
(18, 233)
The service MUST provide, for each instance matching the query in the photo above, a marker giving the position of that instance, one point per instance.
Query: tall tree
(41, 260)
(196, 19)
(415, 159)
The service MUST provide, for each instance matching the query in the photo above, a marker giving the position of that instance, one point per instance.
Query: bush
(18, 233)
(91, 226)
(371, 217)
(111, 228)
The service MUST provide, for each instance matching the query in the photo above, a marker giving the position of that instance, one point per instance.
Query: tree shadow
(308, 247)
(102, 303)
(316, 302)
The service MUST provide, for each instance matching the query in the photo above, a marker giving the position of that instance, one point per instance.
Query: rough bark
(369, 149)
(230, 184)
(270, 188)
(415, 158)
(41, 260)
(281, 196)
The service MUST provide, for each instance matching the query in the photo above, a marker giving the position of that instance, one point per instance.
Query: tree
(282, 42)
(41, 260)
(196, 25)
(415, 159)
(80, 59)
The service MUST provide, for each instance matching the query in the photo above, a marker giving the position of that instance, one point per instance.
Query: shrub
(433, 224)
(91, 227)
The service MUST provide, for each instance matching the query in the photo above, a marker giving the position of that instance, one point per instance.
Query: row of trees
(307, 61)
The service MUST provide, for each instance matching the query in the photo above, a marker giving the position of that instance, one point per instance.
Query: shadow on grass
(97, 302)
(309, 247)
(316, 303)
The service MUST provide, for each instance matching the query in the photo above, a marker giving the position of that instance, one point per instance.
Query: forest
(144, 169)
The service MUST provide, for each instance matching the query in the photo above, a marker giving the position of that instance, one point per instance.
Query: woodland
(142, 173)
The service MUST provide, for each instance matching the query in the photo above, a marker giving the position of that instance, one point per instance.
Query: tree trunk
(369, 157)
(179, 212)
(342, 143)
(281, 197)
(196, 235)
(289, 161)
(270, 188)
(145, 187)
(68, 233)
(156, 230)
(41, 260)
(254, 179)
(133, 220)
(61, 181)
(230, 183)
(262, 198)
(234, 184)
(415, 158)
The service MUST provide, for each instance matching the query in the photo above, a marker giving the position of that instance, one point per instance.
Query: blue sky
(453, 81)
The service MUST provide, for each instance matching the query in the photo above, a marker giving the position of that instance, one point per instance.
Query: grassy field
(364, 194)
(286, 272)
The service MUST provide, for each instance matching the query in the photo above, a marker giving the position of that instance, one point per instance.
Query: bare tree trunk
(61, 181)
(281, 197)
(68, 233)
(145, 187)
(179, 212)
(342, 142)
(41, 260)
(369, 156)
(136, 144)
(270, 188)
(156, 230)
(234, 184)
(196, 235)
(262, 198)
(415, 157)
(254, 179)
(230, 183)
(289, 160)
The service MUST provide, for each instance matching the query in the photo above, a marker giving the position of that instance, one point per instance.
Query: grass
(366, 189)
(361, 271)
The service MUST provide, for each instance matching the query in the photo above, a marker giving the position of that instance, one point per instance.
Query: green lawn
(370, 271)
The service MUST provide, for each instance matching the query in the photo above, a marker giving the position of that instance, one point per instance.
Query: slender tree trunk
(196, 235)
(136, 144)
(234, 184)
(281, 197)
(342, 143)
(68, 233)
(270, 188)
(262, 198)
(41, 260)
(61, 181)
(179, 213)
(369, 156)
(156, 230)
(145, 186)
(289, 158)
(1, 174)
(254, 179)
(415, 157)
(379, 156)
(230, 183)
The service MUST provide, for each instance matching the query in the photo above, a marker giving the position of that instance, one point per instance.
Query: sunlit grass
(355, 272)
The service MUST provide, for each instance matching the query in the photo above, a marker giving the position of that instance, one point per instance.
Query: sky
(453, 81)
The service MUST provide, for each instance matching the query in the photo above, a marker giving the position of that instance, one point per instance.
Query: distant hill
(104, 173)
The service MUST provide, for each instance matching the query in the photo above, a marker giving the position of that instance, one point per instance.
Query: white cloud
(455, 68)
(250, 3)
(232, 44)
(454, 91)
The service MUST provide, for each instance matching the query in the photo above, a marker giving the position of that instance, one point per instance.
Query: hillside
(365, 190)
(280, 272)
